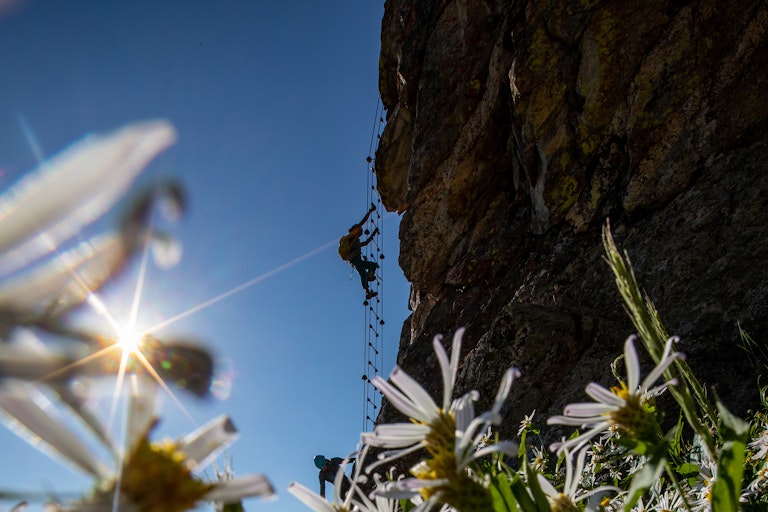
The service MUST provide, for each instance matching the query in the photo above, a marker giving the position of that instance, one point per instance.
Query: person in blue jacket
(328, 470)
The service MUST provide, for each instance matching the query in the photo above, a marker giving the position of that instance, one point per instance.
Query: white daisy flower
(668, 501)
(622, 407)
(429, 421)
(37, 215)
(527, 422)
(539, 459)
(760, 484)
(760, 446)
(566, 500)
(450, 433)
(46, 208)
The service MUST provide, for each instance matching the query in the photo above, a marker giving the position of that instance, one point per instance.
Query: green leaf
(730, 465)
(542, 503)
(635, 445)
(676, 447)
(521, 494)
(687, 470)
(501, 494)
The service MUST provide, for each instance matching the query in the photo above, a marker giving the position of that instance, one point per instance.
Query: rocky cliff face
(516, 128)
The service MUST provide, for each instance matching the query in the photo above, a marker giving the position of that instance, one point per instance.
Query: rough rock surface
(516, 128)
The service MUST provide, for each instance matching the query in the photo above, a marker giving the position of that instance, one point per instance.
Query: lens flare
(130, 340)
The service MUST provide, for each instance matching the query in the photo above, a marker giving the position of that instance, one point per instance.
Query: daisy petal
(67, 280)
(73, 189)
(142, 407)
(600, 394)
(32, 418)
(309, 498)
(504, 388)
(445, 370)
(418, 396)
(455, 353)
(632, 363)
(587, 410)
(579, 441)
(205, 443)
(657, 372)
(232, 491)
(397, 398)
(396, 435)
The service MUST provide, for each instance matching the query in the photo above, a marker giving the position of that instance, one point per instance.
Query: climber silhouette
(329, 468)
(350, 249)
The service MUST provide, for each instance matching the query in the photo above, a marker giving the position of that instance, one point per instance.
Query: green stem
(676, 485)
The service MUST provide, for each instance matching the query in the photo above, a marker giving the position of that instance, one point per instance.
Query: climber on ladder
(350, 249)
(328, 471)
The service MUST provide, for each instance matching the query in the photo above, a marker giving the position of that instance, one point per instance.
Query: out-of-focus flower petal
(32, 417)
(396, 435)
(73, 189)
(231, 491)
(65, 281)
(205, 443)
(166, 251)
(587, 409)
(80, 406)
(142, 409)
(28, 363)
(600, 394)
(309, 498)
(397, 398)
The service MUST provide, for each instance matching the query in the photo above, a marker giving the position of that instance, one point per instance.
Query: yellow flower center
(156, 479)
(460, 491)
(562, 503)
(636, 418)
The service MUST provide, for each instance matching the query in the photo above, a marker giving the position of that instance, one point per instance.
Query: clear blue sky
(274, 102)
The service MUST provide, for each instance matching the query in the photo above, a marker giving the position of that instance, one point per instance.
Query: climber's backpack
(345, 246)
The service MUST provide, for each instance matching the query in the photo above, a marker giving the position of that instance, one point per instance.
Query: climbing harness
(373, 354)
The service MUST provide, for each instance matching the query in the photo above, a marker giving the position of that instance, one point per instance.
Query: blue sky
(274, 103)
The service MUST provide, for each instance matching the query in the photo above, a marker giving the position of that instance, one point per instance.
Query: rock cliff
(516, 128)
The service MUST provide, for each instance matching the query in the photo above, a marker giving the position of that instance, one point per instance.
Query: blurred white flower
(144, 475)
(58, 199)
(39, 214)
(376, 503)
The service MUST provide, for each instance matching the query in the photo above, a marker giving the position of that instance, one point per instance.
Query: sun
(129, 339)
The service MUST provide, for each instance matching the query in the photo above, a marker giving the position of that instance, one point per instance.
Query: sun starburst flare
(40, 213)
